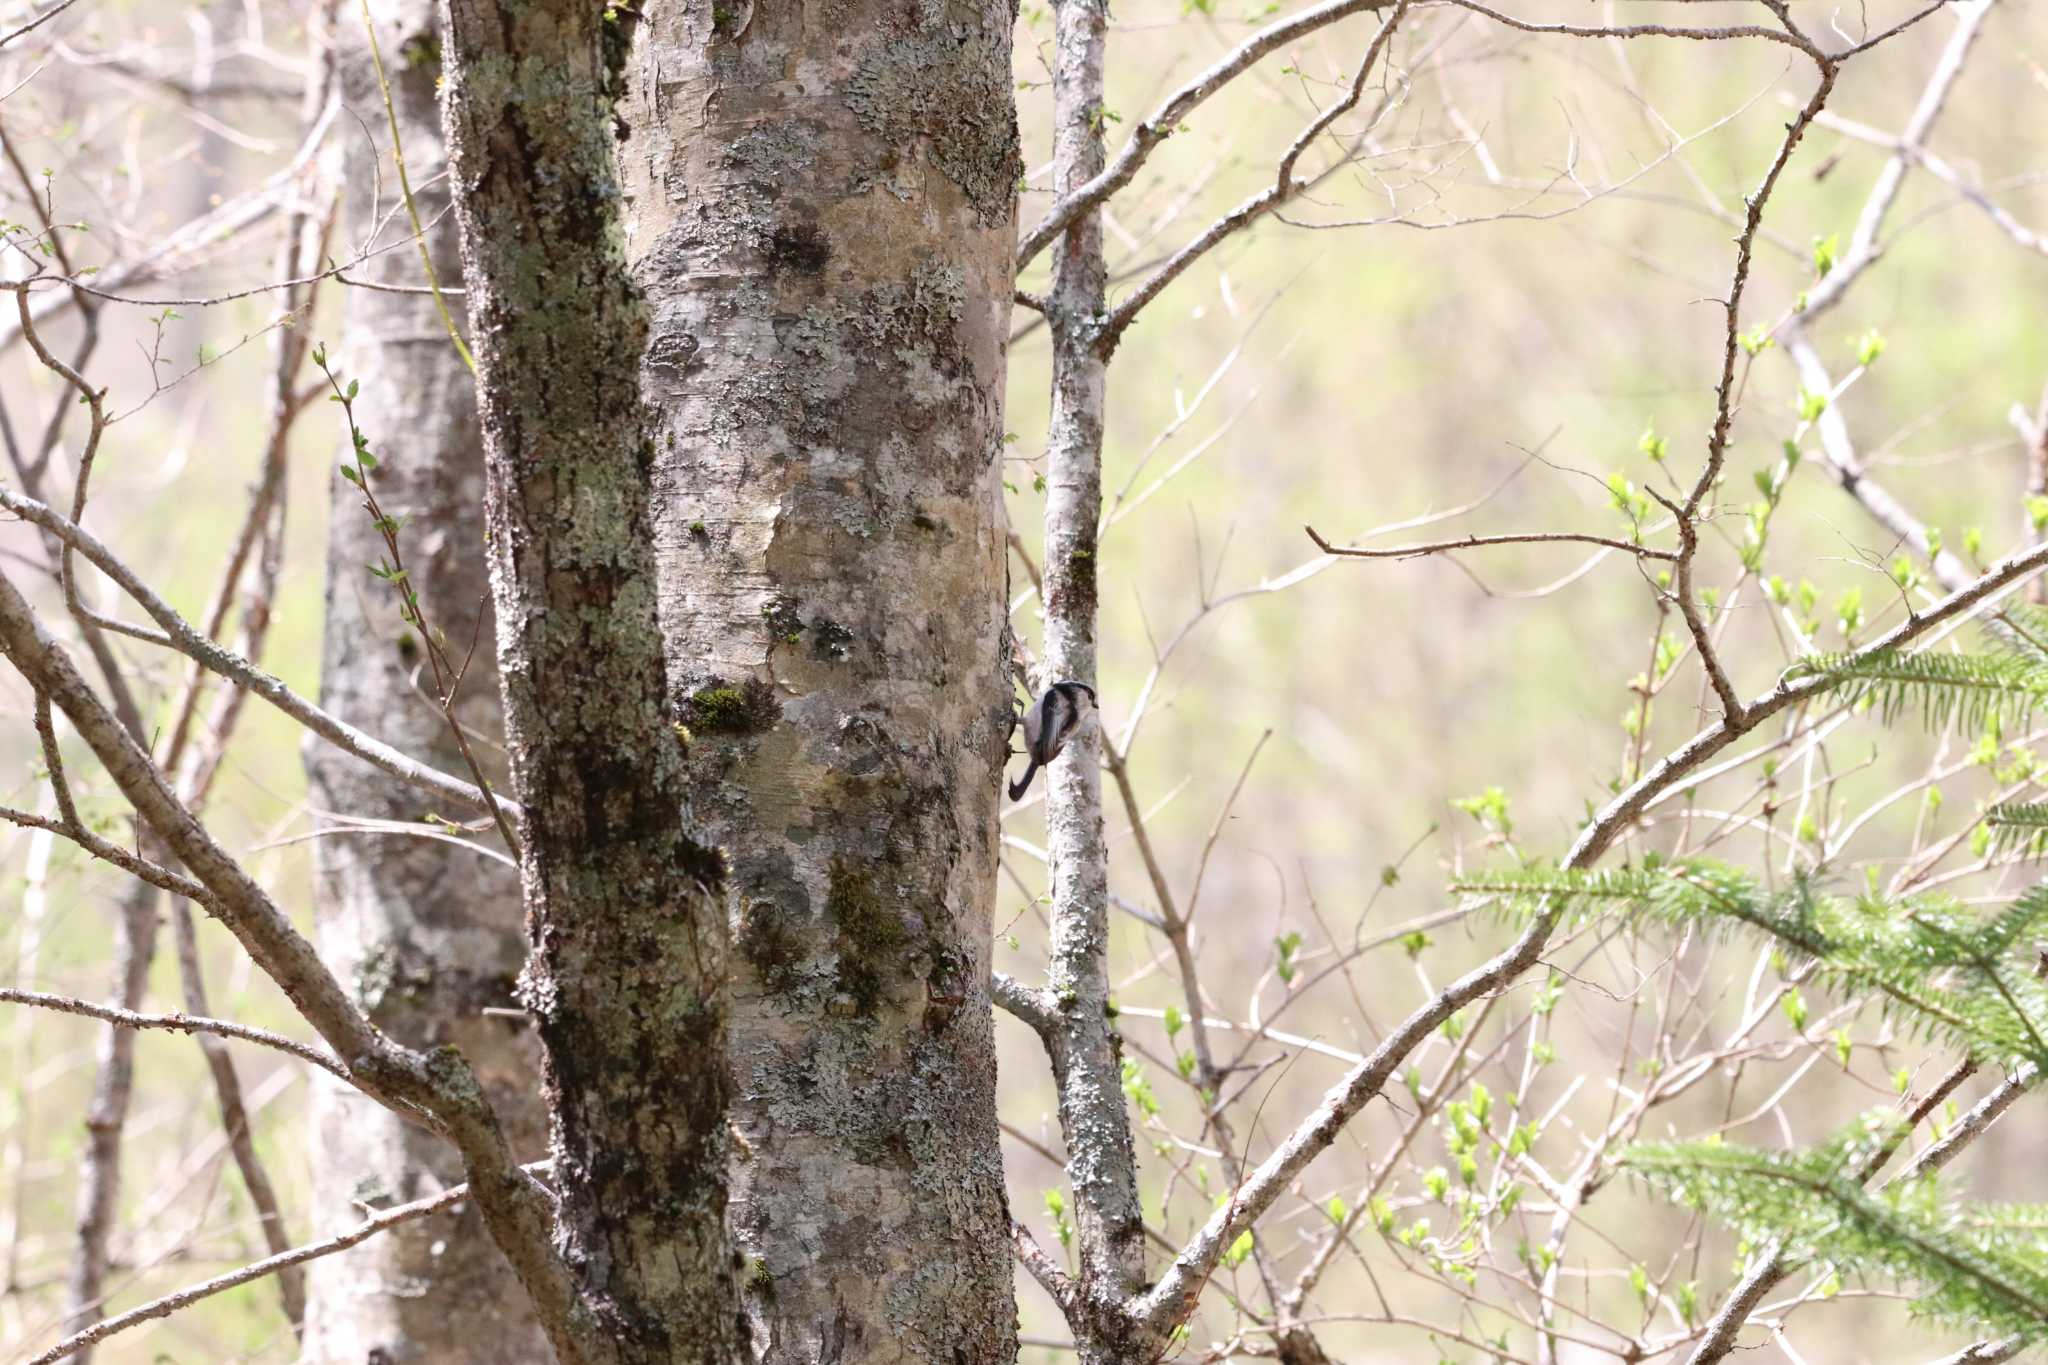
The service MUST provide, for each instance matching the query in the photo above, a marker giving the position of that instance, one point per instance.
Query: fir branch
(2018, 826)
(1933, 968)
(1906, 1233)
(1967, 689)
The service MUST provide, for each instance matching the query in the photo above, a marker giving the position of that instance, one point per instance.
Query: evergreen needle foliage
(1970, 690)
(1967, 689)
(1936, 967)
(2019, 824)
(1981, 1267)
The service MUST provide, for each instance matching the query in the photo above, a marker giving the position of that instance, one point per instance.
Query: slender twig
(1174, 112)
(1703, 35)
(234, 1117)
(1173, 1295)
(219, 1284)
(176, 1023)
(1284, 188)
(419, 232)
(45, 17)
(179, 635)
(448, 674)
(1481, 542)
(212, 231)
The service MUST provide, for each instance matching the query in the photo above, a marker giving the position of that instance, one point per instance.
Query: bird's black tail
(1018, 788)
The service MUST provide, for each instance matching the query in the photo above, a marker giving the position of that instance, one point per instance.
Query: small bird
(1049, 724)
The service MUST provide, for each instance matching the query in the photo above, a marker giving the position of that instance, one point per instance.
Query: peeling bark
(820, 209)
(425, 934)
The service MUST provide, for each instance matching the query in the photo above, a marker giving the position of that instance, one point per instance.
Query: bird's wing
(1034, 721)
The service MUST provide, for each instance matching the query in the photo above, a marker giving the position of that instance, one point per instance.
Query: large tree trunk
(427, 933)
(820, 213)
(628, 977)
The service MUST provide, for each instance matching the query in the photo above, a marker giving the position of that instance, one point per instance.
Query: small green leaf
(1826, 251)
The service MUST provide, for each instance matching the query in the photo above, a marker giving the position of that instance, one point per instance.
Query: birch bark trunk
(427, 934)
(820, 210)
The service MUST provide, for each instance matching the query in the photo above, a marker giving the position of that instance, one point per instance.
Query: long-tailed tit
(1049, 724)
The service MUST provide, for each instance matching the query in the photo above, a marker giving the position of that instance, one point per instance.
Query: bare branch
(212, 231)
(1481, 542)
(1770, 1266)
(1839, 451)
(1108, 1215)
(439, 1086)
(1015, 998)
(1986, 1352)
(1283, 188)
(176, 1023)
(1947, 174)
(45, 17)
(1971, 1126)
(179, 635)
(1173, 1296)
(1053, 1280)
(1863, 249)
(1704, 35)
(219, 1284)
(1724, 391)
(1170, 115)
(234, 1116)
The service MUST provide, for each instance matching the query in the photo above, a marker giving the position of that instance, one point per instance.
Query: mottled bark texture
(426, 934)
(820, 208)
(627, 977)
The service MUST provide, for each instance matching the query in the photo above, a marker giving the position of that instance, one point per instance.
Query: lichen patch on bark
(821, 211)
